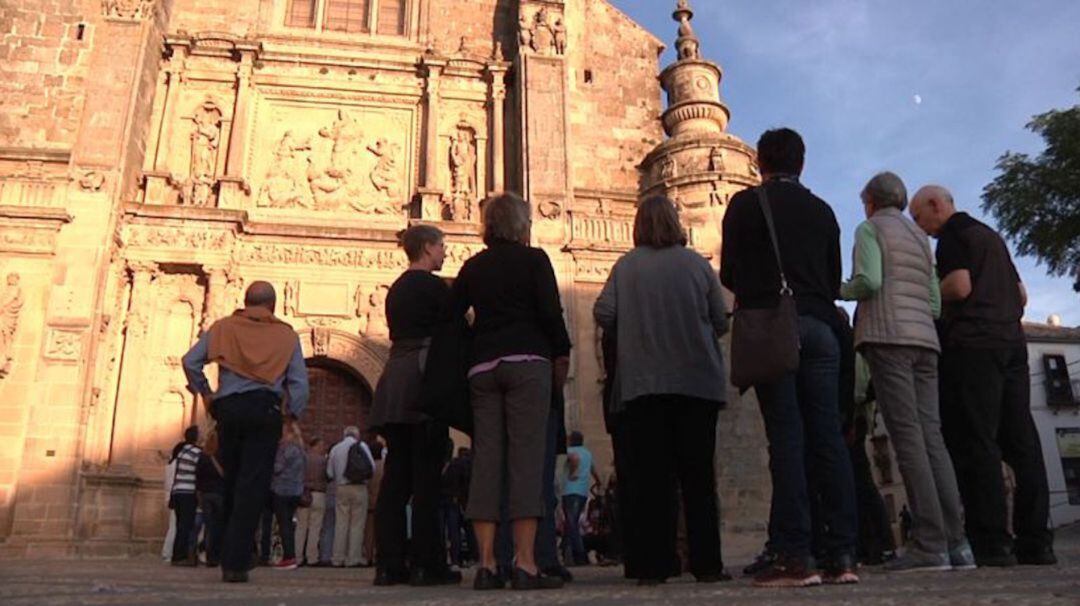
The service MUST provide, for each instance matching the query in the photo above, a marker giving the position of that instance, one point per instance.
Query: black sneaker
(761, 562)
(1036, 557)
(423, 577)
(385, 577)
(234, 576)
(559, 571)
(523, 581)
(720, 577)
(651, 582)
(999, 557)
(487, 580)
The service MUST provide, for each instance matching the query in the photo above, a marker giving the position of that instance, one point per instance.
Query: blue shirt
(580, 486)
(294, 381)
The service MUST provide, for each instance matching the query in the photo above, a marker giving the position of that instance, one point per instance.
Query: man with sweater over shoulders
(807, 454)
(262, 378)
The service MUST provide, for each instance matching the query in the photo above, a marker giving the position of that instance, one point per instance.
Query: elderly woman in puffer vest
(899, 298)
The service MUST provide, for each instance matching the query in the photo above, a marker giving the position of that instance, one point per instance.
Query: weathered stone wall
(615, 96)
(43, 65)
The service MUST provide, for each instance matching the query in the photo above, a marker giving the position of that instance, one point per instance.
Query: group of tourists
(490, 355)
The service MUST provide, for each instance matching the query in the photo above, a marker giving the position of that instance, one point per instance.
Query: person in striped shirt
(183, 500)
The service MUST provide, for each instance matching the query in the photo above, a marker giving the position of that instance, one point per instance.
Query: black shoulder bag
(765, 342)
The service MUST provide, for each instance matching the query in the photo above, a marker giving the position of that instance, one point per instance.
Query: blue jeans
(573, 544)
(807, 455)
(545, 549)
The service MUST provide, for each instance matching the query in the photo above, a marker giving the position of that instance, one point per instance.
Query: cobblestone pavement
(148, 581)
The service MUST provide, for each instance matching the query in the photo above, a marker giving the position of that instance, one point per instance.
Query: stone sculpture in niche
(525, 34)
(11, 304)
(463, 174)
(668, 168)
(371, 310)
(543, 33)
(559, 30)
(716, 159)
(287, 178)
(205, 141)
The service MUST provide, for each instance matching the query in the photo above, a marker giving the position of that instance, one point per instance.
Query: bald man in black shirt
(985, 385)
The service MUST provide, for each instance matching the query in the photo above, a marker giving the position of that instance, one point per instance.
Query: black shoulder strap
(763, 199)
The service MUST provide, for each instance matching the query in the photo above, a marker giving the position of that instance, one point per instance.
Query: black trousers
(284, 510)
(875, 532)
(213, 508)
(986, 419)
(415, 454)
(249, 428)
(621, 446)
(184, 505)
(681, 434)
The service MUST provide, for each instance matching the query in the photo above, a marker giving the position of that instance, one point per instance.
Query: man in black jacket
(801, 411)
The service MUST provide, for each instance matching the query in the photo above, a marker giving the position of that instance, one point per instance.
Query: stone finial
(688, 45)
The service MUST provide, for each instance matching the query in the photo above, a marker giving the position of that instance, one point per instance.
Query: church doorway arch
(342, 371)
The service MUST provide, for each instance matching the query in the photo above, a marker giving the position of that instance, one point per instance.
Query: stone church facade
(158, 155)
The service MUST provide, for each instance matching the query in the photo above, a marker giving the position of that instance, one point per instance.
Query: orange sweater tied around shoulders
(252, 343)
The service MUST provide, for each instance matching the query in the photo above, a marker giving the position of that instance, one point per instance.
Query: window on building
(382, 17)
(349, 16)
(301, 13)
(391, 18)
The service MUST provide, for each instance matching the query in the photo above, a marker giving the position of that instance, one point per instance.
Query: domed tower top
(692, 84)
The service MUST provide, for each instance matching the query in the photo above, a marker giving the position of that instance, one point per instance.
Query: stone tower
(700, 165)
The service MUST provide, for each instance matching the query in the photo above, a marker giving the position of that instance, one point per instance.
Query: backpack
(358, 467)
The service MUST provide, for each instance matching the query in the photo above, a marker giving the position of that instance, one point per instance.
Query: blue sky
(933, 90)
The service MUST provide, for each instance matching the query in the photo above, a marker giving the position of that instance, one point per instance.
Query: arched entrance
(338, 399)
(342, 371)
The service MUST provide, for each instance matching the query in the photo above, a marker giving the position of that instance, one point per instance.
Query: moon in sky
(917, 99)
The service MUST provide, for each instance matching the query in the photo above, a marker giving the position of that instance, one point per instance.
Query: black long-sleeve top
(513, 291)
(809, 238)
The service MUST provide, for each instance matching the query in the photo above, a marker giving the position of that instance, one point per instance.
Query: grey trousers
(510, 413)
(906, 383)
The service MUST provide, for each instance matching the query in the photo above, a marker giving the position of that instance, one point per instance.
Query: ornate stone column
(430, 192)
(217, 286)
(136, 327)
(496, 102)
(234, 184)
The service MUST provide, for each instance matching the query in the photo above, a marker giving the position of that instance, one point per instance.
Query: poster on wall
(1068, 439)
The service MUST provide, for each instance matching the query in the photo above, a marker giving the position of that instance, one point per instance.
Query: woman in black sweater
(416, 304)
(520, 353)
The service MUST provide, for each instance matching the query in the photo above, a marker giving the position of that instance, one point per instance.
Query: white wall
(1048, 421)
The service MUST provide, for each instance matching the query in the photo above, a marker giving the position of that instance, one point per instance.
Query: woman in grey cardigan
(663, 303)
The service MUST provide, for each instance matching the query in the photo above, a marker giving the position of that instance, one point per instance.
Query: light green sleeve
(868, 274)
(935, 295)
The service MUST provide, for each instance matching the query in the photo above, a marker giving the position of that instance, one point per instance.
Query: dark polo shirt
(990, 316)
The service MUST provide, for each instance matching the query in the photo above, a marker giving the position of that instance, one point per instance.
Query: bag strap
(766, 208)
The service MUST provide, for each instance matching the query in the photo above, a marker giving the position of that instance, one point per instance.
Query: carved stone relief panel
(330, 256)
(350, 160)
(11, 305)
(542, 31)
(64, 344)
(127, 10)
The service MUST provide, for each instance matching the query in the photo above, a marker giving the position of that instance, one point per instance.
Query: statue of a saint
(205, 140)
(463, 173)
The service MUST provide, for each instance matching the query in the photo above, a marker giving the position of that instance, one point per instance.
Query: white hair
(886, 190)
(353, 431)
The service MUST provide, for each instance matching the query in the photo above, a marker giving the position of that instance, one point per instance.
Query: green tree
(1036, 201)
